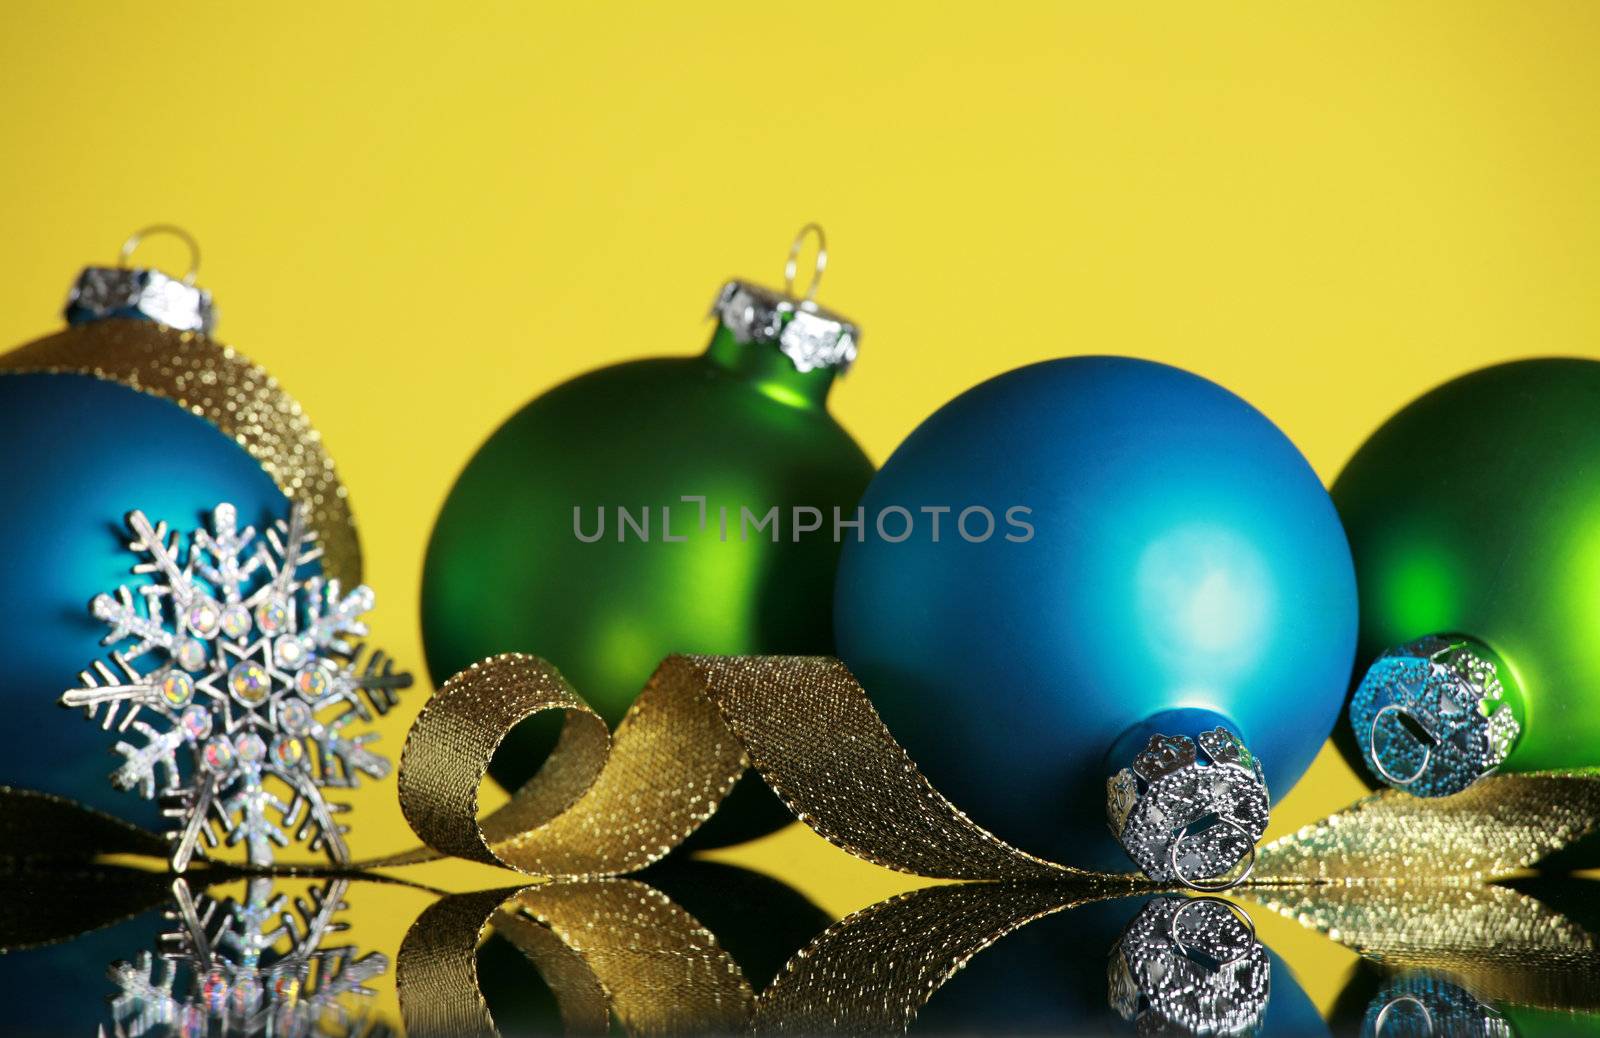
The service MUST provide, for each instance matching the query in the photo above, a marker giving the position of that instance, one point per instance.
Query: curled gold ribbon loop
(448, 751)
(226, 389)
(594, 808)
(606, 805)
(603, 809)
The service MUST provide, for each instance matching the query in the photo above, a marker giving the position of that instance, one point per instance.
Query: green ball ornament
(1474, 518)
(654, 507)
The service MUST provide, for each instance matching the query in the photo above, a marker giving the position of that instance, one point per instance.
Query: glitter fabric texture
(619, 942)
(614, 805)
(802, 722)
(234, 394)
(604, 947)
(1395, 878)
(1501, 824)
(610, 804)
(1505, 945)
(807, 726)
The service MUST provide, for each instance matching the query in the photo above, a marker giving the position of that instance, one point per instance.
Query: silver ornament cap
(1432, 716)
(1190, 965)
(143, 293)
(811, 337)
(1191, 810)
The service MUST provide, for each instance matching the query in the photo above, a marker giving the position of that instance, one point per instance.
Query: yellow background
(419, 217)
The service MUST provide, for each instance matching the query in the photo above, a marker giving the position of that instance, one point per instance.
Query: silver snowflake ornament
(236, 682)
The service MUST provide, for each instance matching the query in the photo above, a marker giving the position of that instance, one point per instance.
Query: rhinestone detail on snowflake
(236, 681)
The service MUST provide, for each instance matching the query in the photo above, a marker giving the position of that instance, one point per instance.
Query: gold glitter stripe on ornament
(237, 396)
(602, 809)
(657, 969)
(1499, 825)
(1501, 945)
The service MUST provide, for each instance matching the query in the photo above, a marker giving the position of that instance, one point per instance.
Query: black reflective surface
(103, 950)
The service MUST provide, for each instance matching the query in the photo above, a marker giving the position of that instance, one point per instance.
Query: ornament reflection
(1421, 1003)
(1190, 966)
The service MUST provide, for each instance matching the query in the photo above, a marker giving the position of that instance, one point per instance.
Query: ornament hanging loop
(138, 237)
(1400, 781)
(1201, 883)
(791, 265)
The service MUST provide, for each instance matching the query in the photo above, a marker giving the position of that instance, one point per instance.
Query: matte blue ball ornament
(1122, 594)
(86, 437)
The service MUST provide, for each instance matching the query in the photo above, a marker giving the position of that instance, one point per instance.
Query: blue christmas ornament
(96, 421)
(1103, 587)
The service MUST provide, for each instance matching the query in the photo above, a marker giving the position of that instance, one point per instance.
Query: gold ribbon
(607, 804)
(226, 389)
(803, 723)
(1499, 825)
(604, 806)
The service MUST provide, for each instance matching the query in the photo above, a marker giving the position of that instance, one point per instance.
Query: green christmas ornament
(677, 504)
(1474, 518)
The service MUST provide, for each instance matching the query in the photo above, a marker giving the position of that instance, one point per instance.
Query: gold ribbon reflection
(1503, 945)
